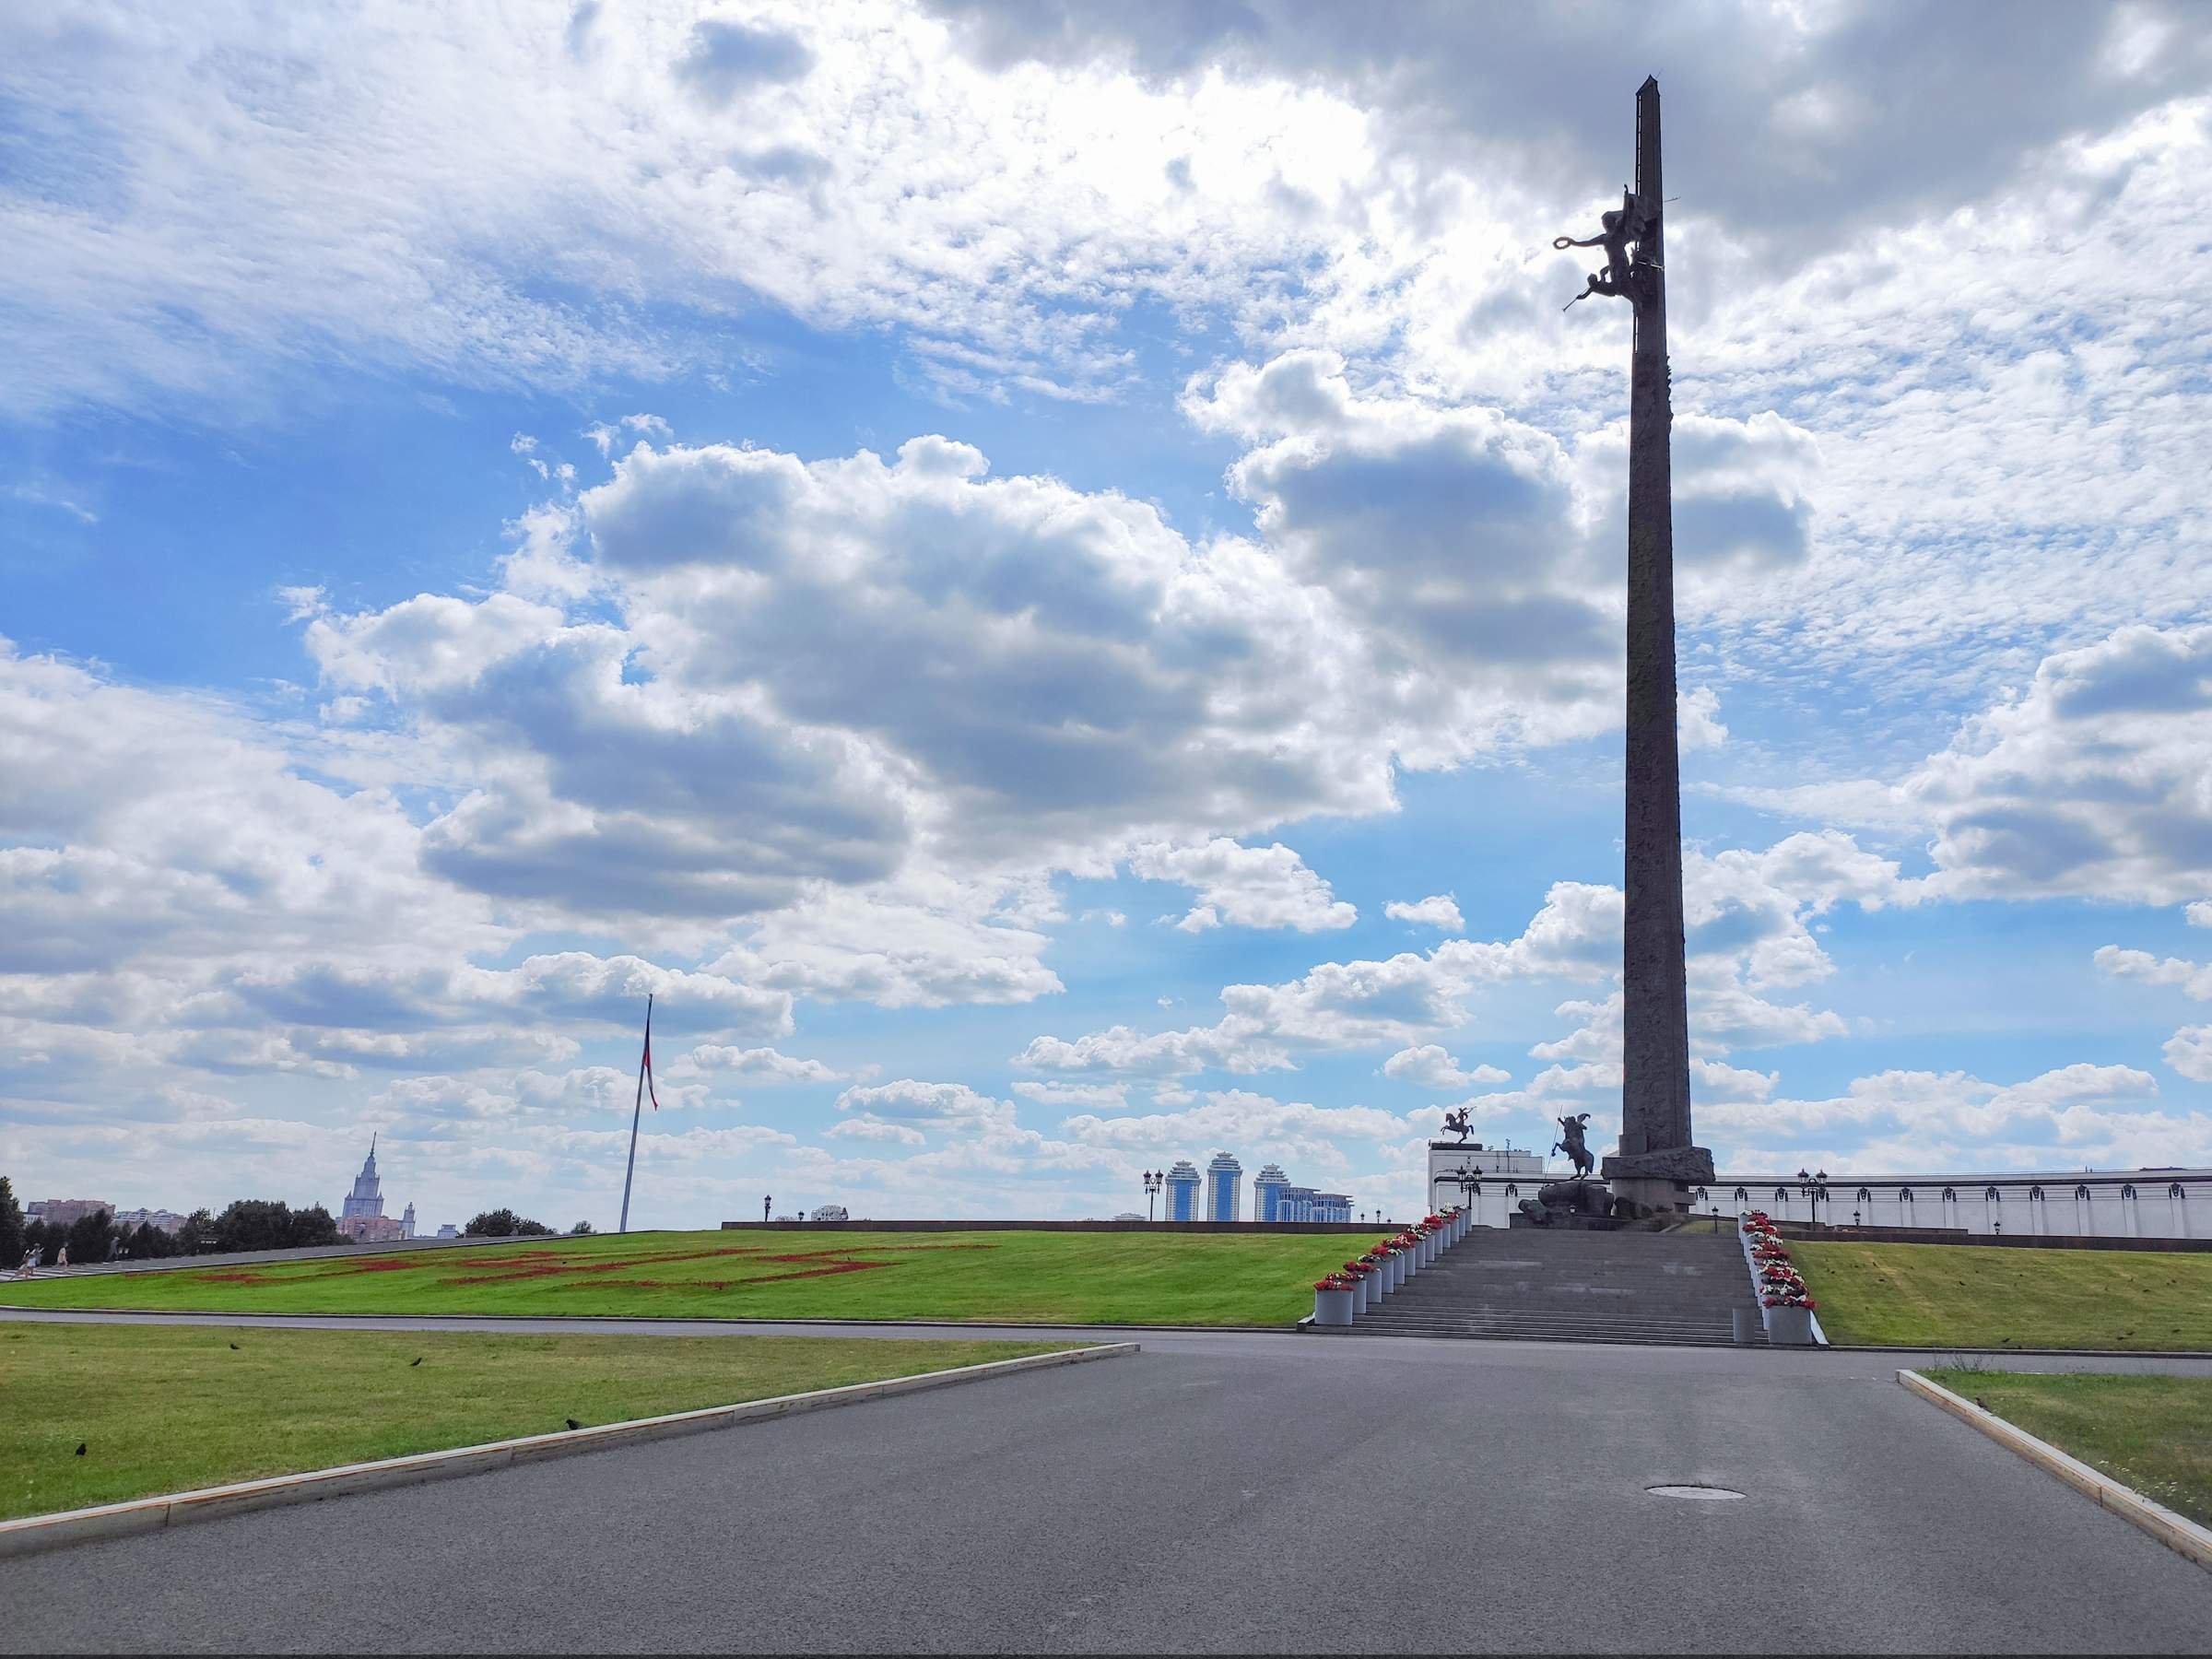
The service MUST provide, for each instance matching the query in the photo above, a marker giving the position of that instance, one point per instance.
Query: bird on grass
(413, 1362)
(80, 1448)
(234, 1347)
(572, 1422)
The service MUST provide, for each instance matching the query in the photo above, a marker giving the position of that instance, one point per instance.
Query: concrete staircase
(1541, 1285)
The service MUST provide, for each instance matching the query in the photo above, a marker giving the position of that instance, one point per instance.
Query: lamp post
(1467, 1179)
(1154, 1181)
(1812, 1185)
(767, 1200)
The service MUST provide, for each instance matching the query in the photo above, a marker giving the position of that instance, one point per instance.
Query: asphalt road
(1220, 1492)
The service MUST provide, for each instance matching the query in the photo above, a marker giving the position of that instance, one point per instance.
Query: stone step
(1550, 1285)
(1372, 1323)
(1380, 1319)
(1700, 1337)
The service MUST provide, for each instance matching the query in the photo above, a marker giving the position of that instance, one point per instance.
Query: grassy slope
(1947, 1295)
(2153, 1434)
(1026, 1277)
(169, 1408)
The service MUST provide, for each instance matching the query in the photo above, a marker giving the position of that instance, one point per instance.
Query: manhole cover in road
(1692, 1491)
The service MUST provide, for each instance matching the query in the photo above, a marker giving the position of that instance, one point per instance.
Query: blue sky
(981, 553)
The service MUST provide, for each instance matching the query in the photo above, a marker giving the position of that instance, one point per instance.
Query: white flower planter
(1789, 1327)
(1332, 1307)
(1396, 1267)
(1378, 1284)
(1361, 1298)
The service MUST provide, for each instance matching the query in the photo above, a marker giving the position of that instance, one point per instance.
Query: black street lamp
(1154, 1181)
(767, 1199)
(1812, 1185)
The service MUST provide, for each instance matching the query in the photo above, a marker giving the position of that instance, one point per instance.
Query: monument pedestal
(1659, 1183)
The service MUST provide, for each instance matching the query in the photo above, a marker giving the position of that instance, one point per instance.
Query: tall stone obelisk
(1657, 1163)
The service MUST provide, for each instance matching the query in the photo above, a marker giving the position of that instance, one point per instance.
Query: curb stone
(2178, 1533)
(34, 1533)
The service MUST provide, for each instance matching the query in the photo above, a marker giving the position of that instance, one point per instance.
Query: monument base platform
(1565, 1221)
(1659, 1183)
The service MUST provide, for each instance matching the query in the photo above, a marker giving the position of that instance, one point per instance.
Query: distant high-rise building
(368, 1195)
(160, 1219)
(407, 1222)
(1224, 1196)
(1183, 1191)
(362, 1219)
(65, 1212)
(1267, 1193)
(1304, 1204)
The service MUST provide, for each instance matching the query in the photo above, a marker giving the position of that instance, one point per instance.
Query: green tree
(90, 1237)
(503, 1223)
(150, 1244)
(253, 1224)
(580, 1228)
(270, 1224)
(11, 1225)
(313, 1226)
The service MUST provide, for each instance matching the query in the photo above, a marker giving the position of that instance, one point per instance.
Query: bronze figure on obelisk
(1657, 1164)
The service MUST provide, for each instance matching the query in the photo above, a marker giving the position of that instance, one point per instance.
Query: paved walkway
(1262, 1346)
(1222, 1491)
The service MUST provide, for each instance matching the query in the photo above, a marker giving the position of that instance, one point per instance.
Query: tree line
(504, 1223)
(246, 1224)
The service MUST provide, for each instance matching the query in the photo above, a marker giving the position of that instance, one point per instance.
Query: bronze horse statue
(1571, 1142)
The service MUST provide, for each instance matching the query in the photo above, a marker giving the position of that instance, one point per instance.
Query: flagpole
(631, 1168)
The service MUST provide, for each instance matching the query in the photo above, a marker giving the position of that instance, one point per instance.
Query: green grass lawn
(168, 1409)
(1958, 1296)
(2152, 1433)
(1018, 1278)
